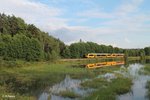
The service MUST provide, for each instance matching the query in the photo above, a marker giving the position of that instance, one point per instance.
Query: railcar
(104, 55)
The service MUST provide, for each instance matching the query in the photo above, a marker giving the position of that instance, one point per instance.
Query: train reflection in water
(105, 64)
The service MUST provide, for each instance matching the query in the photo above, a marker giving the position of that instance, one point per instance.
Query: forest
(19, 40)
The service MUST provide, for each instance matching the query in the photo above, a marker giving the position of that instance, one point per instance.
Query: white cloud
(128, 6)
(95, 13)
(127, 40)
(125, 19)
(36, 13)
(121, 20)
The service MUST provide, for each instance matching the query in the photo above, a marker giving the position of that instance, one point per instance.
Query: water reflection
(104, 64)
(138, 90)
(147, 60)
(68, 84)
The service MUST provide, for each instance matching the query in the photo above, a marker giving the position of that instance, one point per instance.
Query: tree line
(19, 40)
(79, 49)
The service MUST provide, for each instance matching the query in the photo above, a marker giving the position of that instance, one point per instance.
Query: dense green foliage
(147, 51)
(79, 49)
(138, 52)
(20, 47)
(19, 40)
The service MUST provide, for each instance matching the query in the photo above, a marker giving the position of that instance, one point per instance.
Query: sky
(120, 23)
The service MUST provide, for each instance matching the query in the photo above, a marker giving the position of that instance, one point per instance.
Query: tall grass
(147, 72)
(147, 68)
(109, 90)
(69, 94)
(32, 77)
(148, 88)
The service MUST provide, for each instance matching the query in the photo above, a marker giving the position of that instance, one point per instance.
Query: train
(104, 55)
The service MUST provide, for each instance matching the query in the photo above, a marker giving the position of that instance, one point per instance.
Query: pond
(138, 90)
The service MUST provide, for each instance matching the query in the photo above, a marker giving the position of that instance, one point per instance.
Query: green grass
(110, 90)
(98, 82)
(95, 83)
(25, 79)
(45, 73)
(148, 88)
(145, 70)
(31, 77)
(147, 57)
(69, 94)
(134, 58)
(36, 76)
(4, 92)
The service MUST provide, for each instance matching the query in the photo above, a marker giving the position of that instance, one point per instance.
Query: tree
(126, 58)
(142, 55)
(66, 53)
(25, 41)
(147, 51)
(2, 48)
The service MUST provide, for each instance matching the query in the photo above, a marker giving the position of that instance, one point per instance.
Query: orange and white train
(104, 55)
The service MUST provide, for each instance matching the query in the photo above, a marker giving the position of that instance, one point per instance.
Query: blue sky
(121, 23)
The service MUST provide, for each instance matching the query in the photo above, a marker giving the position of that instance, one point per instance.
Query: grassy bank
(104, 59)
(134, 58)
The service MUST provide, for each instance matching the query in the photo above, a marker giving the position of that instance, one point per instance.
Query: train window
(91, 55)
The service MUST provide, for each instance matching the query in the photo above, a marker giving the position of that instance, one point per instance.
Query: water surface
(138, 90)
